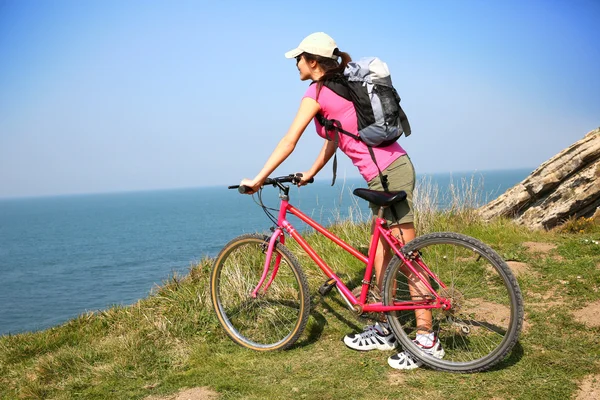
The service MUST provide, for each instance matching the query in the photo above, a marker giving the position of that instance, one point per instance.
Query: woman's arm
(327, 151)
(307, 111)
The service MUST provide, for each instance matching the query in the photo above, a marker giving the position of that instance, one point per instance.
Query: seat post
(380, 212)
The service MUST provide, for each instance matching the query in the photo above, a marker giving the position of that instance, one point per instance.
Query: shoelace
(374, 329)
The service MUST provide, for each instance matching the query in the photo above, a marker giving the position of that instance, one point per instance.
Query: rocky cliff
(567, 185)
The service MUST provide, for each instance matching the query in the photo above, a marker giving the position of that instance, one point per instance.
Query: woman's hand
(252, 185)
(305, 177)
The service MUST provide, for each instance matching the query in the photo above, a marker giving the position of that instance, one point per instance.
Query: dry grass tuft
(458, 202)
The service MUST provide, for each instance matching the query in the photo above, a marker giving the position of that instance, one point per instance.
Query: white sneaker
(376, 336)
(404, 360)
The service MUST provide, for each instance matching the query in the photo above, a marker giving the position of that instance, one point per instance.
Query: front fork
(277, 235)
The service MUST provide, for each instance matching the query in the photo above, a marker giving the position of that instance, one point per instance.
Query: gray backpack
(381, 120)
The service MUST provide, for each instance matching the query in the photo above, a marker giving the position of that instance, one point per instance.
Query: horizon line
(162, 189)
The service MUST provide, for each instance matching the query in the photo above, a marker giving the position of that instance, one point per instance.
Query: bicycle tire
(486, 316)
(273, 320)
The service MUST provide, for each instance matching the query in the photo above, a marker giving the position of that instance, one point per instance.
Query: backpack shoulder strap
(382, 177)
(404, 123)
(339, 86)
(384, 182)
(334, 127)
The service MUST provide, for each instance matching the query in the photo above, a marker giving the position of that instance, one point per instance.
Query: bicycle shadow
(314, 330)
(516, 354)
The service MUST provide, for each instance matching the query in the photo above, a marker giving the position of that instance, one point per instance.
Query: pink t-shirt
(338, 108)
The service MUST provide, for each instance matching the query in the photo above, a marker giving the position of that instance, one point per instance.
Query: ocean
(66, 255)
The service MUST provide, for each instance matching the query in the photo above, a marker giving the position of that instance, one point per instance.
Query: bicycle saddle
(382, 199)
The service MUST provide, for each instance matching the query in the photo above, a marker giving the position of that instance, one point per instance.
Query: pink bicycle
(261, 295)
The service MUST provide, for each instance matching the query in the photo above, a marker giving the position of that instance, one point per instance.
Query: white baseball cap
(318, 43)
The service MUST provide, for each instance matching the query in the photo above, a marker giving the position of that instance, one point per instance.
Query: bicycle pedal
(327, 286)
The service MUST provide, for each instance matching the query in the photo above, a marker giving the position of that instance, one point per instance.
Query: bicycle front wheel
(273, 320)
(483, 322)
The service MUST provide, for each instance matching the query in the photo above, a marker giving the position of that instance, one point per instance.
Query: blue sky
(102, 96)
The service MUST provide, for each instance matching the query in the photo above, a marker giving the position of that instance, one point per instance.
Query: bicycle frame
(358, 304)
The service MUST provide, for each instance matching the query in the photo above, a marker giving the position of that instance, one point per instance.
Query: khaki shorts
(401, 176)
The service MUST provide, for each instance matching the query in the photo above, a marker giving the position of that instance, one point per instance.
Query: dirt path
(198, 393)
(589, 315)
(589, 388)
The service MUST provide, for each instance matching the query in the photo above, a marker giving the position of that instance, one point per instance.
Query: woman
(317, 60)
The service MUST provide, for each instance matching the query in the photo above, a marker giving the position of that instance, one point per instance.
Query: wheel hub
(452, 299)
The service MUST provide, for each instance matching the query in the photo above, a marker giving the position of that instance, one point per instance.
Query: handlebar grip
(296, 180)
(241, 188)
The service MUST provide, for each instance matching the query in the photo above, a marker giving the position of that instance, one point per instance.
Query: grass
(171, 340)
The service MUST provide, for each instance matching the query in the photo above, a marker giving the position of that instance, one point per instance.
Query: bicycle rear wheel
(273, 320)
(486, 313)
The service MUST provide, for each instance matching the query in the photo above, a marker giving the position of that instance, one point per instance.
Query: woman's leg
(406, 233)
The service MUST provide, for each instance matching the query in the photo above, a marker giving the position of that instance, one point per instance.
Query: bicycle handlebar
(291, 178)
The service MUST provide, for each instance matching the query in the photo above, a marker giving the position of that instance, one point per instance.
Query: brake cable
(266, 209)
